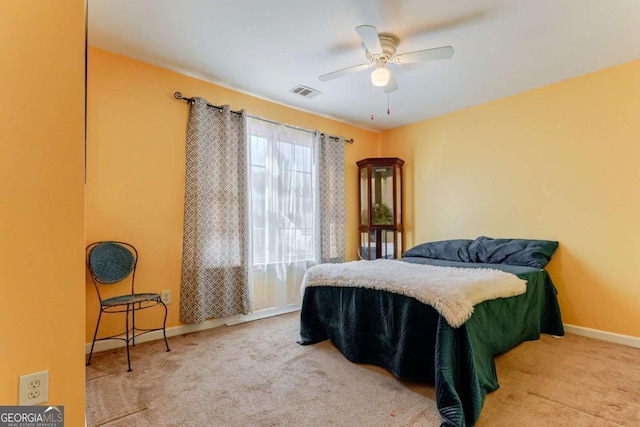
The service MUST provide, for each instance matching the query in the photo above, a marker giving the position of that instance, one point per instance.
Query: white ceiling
(265, 48)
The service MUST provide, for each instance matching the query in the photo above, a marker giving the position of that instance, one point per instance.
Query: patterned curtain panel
(331, 199)
(215, 246)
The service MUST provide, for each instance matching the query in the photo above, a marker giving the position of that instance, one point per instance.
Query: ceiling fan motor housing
(389, 43)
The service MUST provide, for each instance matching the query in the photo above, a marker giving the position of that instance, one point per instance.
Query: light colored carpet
(254, 374)
(570, 381)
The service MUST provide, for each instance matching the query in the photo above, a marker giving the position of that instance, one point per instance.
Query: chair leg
(127, 337)
(164, 325)
(95, 334)
(133, 324)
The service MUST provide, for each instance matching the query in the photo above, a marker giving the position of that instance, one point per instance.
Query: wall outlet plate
(34, 388)
(165, 296)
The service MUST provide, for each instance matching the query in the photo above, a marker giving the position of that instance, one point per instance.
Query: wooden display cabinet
(380, 208)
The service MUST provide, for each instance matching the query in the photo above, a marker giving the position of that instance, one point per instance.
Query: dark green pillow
(524, 252)
(450, 250)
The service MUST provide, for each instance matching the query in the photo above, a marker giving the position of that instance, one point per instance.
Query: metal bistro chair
(110, 263)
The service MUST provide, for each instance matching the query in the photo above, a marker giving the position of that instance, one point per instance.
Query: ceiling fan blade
(343, 72)
(392, 86)
(369, 36)
(444, 52)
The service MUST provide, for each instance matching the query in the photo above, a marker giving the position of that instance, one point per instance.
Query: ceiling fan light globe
(380, 76)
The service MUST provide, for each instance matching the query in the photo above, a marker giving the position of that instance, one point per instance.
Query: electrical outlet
(34, 388)
(165, 296)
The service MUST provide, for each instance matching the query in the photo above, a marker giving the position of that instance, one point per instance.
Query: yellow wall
(559, 162)
(136, 161)
(42, 302)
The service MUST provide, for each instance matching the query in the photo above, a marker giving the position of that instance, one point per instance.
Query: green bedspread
(414, 342)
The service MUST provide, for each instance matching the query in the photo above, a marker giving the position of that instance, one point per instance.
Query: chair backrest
(111, 262)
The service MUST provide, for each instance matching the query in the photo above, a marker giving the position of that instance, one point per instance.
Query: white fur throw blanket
(452, 291)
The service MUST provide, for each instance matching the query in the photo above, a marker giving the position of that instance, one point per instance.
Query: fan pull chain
(388, 110)
(371, 99)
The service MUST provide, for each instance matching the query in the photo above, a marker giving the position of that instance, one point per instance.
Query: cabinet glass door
(364, 197)
(382, 194)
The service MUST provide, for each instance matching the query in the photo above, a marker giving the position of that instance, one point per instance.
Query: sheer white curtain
(283, 184)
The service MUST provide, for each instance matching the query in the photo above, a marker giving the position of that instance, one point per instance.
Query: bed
(415, 341)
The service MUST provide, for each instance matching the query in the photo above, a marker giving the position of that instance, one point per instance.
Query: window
(282, 193)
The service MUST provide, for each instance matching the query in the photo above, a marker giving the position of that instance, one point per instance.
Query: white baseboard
(603, 335)
(262, 314)
(186, 329)
(156, 335)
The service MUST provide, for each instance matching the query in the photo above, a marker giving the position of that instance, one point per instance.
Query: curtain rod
(178, 95)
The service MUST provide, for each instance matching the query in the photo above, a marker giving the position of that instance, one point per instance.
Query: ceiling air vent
(307, 92)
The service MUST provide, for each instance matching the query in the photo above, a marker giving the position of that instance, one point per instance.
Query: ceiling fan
(381, 51)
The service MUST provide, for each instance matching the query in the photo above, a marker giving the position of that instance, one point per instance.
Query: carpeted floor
(570, 381)
(254, 374)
